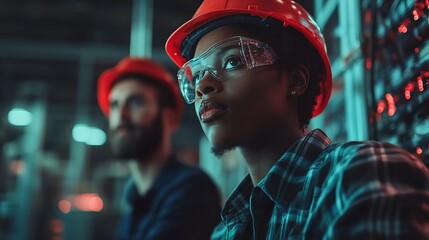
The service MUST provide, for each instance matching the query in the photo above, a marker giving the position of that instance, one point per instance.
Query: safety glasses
(226, 59)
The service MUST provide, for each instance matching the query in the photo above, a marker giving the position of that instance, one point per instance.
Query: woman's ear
(300, 78)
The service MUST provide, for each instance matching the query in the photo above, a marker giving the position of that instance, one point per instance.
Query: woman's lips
(210, 110)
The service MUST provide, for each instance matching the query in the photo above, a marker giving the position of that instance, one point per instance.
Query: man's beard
(140, 143)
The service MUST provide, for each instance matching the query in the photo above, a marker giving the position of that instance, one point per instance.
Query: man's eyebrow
(134, 96)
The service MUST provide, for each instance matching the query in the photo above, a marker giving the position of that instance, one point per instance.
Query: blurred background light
(85, 202)
(88, 202)
(80, 133)
(19, 117)
(97, 137)
(422, 128)
(64, 206)
(90, 135)
(57, 226)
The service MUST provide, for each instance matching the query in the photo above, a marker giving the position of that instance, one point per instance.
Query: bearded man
(169, 200)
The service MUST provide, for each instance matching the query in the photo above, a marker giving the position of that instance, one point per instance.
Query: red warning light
(391, 107)
(419, 150)
(368, 63)
(420, 83)
(402, 29)
(381, 106)
(64, 206)
(408, 89)
(87, 202)
(57, 226)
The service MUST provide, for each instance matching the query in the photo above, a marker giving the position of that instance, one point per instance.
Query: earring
(293, 92)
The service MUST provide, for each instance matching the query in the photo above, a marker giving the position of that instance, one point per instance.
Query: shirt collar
(287, 176)
(284, 179)
(237, 204)
(165, 176)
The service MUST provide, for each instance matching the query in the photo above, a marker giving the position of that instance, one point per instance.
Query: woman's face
(243, 110)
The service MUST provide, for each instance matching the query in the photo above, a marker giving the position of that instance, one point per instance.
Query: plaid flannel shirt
(319, 190)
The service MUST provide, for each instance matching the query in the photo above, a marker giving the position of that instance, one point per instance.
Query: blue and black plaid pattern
(319, 190)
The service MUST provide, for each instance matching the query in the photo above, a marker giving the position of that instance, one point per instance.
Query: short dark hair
(292, 50)
(165, 97)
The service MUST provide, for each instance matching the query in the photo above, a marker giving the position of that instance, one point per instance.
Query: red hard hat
(141, 66)
(289, 12)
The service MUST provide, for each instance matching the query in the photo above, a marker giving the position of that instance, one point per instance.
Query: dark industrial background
(52, 52)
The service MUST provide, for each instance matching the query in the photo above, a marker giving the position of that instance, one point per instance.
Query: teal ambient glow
(90, 135)
(19, 117)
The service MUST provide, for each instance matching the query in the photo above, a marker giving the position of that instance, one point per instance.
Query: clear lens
(224, 60)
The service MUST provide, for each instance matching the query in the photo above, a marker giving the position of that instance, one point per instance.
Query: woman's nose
(207, 84)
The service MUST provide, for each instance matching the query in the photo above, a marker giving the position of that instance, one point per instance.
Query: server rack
(387, 53)
(397, 57)
(345, 117)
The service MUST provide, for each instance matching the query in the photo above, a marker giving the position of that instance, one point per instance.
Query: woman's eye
(232, 62)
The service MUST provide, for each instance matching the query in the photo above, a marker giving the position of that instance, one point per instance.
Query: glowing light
(419, 150)
(416, 50)
(420, 83)
(368, 16)
(64, 206)
(89, 135)
(416, 15)
(80, 133)
(422, 128)
(381, 106)
(57, 226)
(16, 167)
(391, 107)
(402, 29)
(391, 111)
(368, 63)
(19, 117)
(408, 89)
(88, 202)
(407, 94)
(97, 137)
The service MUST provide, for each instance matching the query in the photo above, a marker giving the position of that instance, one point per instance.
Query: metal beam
(141, 28)
(354, 85)
(324, 11)
(58, 51)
